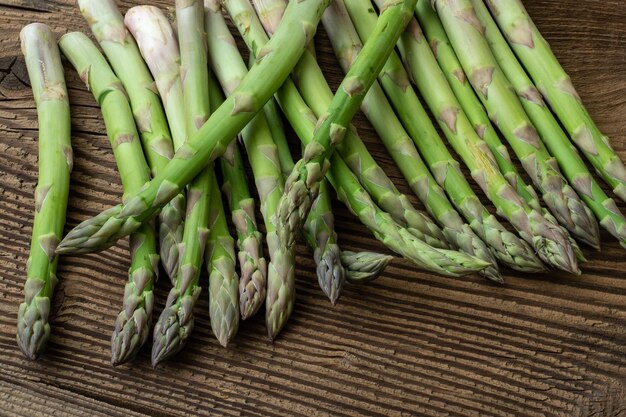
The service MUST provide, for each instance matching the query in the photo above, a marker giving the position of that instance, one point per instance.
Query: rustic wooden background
(409, 344)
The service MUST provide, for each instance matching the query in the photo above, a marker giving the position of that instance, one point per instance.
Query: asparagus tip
(33, 329)
(30, 348)
(331, 274)
(493, 275)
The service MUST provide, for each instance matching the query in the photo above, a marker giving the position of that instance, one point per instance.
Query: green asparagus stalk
(107, 25)
(556, 86)
(159, 48)
(320, 234)
(302, 186)
(514, 252)
(505, 109)
(352, 148)
(132, 324)
(253, 278)
(223, 279)
(224, 285)
(364, 266)
(45, 71)
(177, 318)
(319, 228)
(270, 71)
(303, 120)
(474, 110)
(556, 140)
(358, 266)
(249, 240)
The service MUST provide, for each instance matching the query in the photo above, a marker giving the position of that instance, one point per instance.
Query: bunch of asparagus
(175, 97)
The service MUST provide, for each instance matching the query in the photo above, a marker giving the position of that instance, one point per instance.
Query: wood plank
(409, 344)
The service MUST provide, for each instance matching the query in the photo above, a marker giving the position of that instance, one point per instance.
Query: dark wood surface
(409, 344)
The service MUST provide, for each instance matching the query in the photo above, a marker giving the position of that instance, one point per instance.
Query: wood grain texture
(409, 344)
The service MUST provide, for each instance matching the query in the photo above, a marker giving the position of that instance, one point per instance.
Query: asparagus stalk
(320, 234)
(223, 279)
(159, 48)
(364, 266)
(249, 239)
(475, 112)
(319, 228)
(352, 149)
(107, 25)
(177, 318)
(556, 140)
(253, 278)
(358, 266)
(302, 185)
(45, 71)
(224, 285)
(349, 189)
(556, 86)
(270, 71)
(505, 109)
(132, 324)
(513, 252)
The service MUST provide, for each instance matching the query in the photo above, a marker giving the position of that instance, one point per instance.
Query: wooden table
(409, 344)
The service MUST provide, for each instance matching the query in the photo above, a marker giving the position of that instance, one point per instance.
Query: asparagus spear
(513, 252)
(506, 111)
(358, 266)
(107, 25)
(556, 86)
(177, 319)
(555, 139)
(159, 48)
(272, 68)
(249, 239)
(132, 324)
(223, 280)
(252, 283)
(320, 234)
(224, 285)
(474, 110)
(364, 266)
(45, 71)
